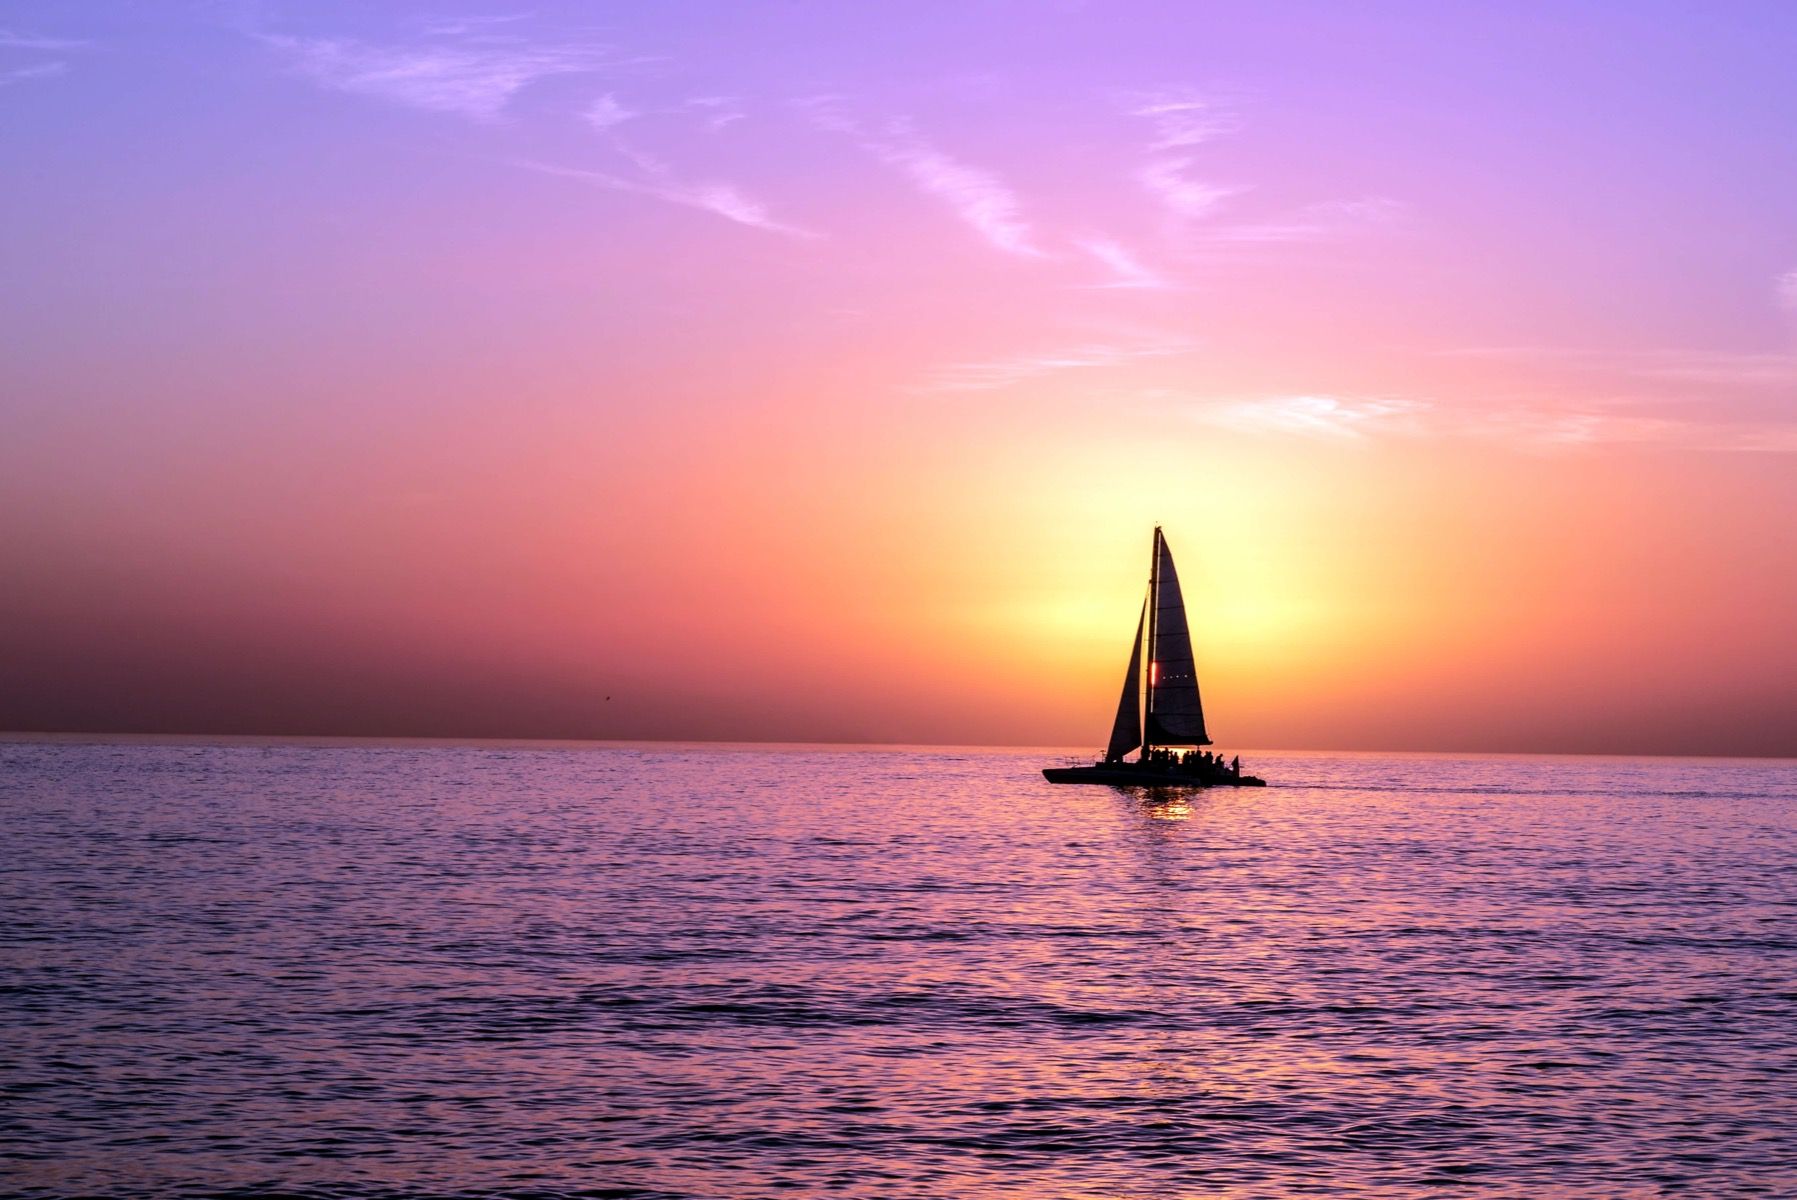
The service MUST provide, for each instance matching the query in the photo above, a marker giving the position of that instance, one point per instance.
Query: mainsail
(1126, 734)
(1175, 714)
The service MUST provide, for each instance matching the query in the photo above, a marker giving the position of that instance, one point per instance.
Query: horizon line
(326, 740)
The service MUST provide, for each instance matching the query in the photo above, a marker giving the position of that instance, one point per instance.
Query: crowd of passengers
(1201, 761)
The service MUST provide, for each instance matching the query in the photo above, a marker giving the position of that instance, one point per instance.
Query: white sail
(1175, 713)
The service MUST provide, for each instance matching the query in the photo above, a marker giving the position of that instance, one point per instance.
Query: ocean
(383, 970)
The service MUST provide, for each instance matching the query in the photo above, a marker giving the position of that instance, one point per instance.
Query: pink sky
(818, 372)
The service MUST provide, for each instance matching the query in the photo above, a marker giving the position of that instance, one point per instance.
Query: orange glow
(852, 420)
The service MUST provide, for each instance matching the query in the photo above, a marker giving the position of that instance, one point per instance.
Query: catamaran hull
(1126, 775)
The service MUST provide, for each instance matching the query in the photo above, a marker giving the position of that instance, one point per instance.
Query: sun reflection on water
(1172, 809)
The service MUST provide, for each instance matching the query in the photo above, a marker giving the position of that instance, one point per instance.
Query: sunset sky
(812, 371)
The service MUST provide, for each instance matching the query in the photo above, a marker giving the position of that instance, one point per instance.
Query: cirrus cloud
(472, 78)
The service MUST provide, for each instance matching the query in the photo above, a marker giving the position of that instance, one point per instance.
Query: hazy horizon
(327, 741)
(817, 374)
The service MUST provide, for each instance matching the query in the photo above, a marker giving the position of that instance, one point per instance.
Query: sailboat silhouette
(1160, 709)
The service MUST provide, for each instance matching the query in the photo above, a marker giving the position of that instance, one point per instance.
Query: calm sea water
(382, 971)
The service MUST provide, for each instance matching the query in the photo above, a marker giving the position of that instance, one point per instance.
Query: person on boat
(1235, 766)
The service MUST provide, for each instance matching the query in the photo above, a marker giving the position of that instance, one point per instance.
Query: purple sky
(817, 370)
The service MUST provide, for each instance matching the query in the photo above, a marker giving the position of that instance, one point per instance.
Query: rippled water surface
(398, 970)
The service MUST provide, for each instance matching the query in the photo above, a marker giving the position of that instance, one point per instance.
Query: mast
(1154, 604)
(1175, 710)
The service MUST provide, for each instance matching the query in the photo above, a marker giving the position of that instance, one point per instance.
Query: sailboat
(1160, 710)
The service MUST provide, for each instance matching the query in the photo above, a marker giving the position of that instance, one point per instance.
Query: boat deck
(1152, 775)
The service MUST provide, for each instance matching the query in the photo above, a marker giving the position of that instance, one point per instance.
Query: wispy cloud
(1313, 222)
(1089, 356)
(1166, 179)
(461, 26)
(1313, 415)
(1727, 370)
(1183, 117)
(976, 196)
(1524, 426)
(13, 40)
(44, 70)
(827, 111)
(713, 112)
(657, 180)
(719, 111)
(473, 78)
(1720, 368)
(1127, 272)
(1558, 428)
(605, 113)
(1784, 288)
